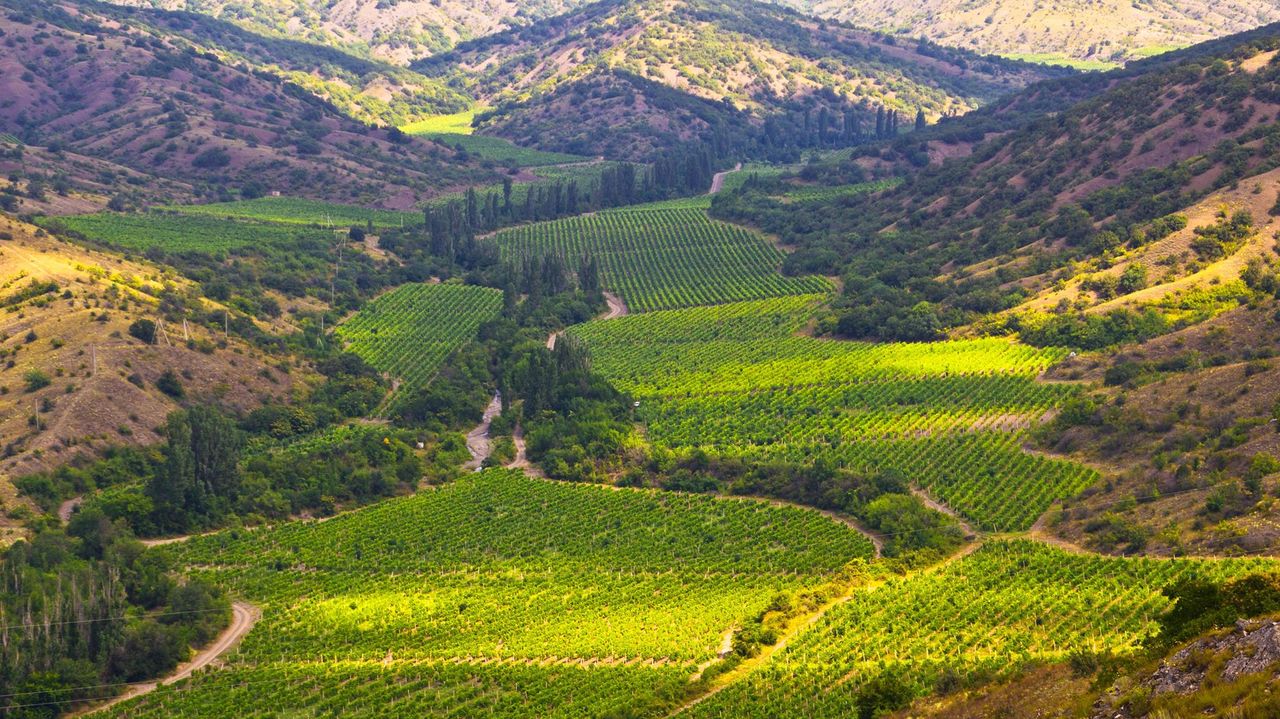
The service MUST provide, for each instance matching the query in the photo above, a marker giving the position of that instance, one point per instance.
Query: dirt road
(478, 443)
(68, 508)
(243, 617)
(937, 506)
(717, 180)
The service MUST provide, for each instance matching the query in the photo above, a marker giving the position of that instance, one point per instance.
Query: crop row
(737, 380)
(502, 516)
(374, 690)
(409, 331)
(508, 612)
(836, 413)
(663, 258)
(1008, 602)
(984, 475)
(178, 233)
(300, 211)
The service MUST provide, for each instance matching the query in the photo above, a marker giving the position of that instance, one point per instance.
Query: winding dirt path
(68, 508)
(521, 461)
(243, 617)
(937, 506)
(478, 442)
(717, 180)
(617, 308)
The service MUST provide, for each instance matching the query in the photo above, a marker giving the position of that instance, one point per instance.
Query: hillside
(75, 381)
(395, 32)
(957, 396)
(1136, 227)
(648, 63)
(1092, 33)
(147, 99)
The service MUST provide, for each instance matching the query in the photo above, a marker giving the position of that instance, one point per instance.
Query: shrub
(36, 380)
(170, 385)
(144, 330)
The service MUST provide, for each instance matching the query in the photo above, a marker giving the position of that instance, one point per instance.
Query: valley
(637, 359)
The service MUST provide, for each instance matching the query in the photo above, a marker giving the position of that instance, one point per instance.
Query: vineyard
(500, 595)
(1007, 603)
(181, 233)
(824, 193)
(737, 380)
(409, 331)
(299, 211)
(663, 258)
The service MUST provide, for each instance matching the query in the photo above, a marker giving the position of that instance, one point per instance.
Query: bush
(212, 159)
(170, 385)
(144, 330)
(36, 380)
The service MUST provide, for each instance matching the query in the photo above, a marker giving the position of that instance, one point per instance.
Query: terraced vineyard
(738, 380)
(663, 257)
(179, 233)
(500, 595)
(409, 331)
(300, 211)
(1006, 603)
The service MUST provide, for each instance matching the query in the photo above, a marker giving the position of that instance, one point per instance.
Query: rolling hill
(681, 69)
(1090, 33)
(1130, 217)
(116, 89)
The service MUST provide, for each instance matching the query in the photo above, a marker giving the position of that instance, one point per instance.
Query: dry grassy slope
(139, 97)
(92, 410)
(746, 52)
(397, 32)
(1170, 263)
(92, 181)
(1105, 30)
(1179, 417)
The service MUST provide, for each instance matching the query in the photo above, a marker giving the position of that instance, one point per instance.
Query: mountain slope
(1108, 31)
(137, 95)
(752, 57)
(1130, 217)
(397, 32)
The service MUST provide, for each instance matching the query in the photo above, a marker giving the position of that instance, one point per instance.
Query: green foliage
(663, 258)
(144, 330)
(1199, 604)
(408, 332)
(1216, 241)
(298, 211)
(179, 233)
(36, 380)
(736, 381)
(530, 586)
(1009, 603)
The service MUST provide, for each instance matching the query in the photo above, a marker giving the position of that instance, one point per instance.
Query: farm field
(456, 131)
(824, 193)
(1007, 603)
(409, 331)
(661, 257)
(738, 380)
(180, 233)
(500, 585)
(300, 211)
